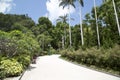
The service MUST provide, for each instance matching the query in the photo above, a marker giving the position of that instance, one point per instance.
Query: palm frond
(65, 3)
(63, 19)
(58, 20)
(81, 2)
(73, 5)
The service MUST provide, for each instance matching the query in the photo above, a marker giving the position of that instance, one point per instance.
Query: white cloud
(54, 11)
(6, 5)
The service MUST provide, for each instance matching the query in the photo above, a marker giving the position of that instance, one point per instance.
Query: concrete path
(54, 68)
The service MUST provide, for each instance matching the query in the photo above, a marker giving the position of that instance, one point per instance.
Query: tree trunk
(64, 35)
(118, 25)
(62, 42)
(81, 26)
(43, 43)
(98, 38)
(69, 27)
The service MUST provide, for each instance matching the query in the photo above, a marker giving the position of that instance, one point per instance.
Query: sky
(48, 8)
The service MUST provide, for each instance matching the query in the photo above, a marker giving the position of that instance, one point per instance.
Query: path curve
(54, 68)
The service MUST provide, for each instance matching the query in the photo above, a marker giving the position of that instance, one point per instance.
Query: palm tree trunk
(118, 25)
(43, 43)
(69, 27)
(64, 35)
(81, 26)
(98, 38)
(62, 42)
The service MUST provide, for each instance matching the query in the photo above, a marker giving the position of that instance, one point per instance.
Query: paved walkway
(54, 68)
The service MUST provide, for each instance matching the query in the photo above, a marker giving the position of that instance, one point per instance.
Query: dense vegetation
(17, 44)
(105, 59)
(105, 56)
(21, 39)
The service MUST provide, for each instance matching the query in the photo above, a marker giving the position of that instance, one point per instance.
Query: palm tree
(64, 20)
(81, 4)
(68, 3)
(118, 25)
(98, 38)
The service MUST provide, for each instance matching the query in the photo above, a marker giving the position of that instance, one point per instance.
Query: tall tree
(81, 4)
(64, 20)
(118, 25)
(109, 31)
(68, 3)
(98, 38)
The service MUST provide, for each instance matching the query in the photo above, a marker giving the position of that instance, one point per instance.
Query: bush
(52, 51)
(2, 73)
(10, 67)
(64, 53)
(24, 60)
(114, 58)
(103, 58)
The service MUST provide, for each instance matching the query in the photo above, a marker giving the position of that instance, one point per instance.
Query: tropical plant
(81, 29)
(11, 67)
(97, 27)
(116, 15)
(24, 60)
(68, 3)
(64, 20)
(102, 58)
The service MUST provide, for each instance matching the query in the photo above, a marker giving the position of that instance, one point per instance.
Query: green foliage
(23, 39)
(68, 54)
(45, 21)
(16, 42)
(18, 26)
(114, 58)
(2, 73)
(7, 21)
(10, 67)
(44, 41)
(24, 60)
(18, 45)
(7, 46)
(25, 43)
(52, 51)
(103, 58)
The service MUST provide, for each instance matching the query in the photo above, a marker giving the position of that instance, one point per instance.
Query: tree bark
(81, 29)
(98, 38)
(69, 27)
(62, 42)
(118, 25)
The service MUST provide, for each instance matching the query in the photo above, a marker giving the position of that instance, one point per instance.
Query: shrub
(52, 51)
(2, 70)
(24, 60)
(42, 53)
(8, 46)
(2, 73)
(11, 67)
(103, 58)
(63, 53)
(113, 60)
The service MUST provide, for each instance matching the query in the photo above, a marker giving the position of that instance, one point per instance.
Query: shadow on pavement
(30, 68)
